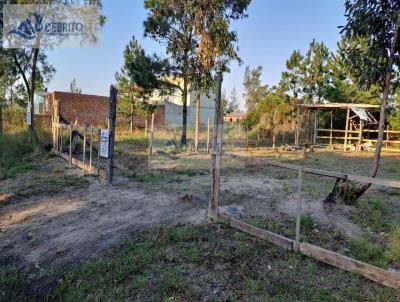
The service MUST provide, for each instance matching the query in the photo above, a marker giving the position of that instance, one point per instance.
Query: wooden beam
(86, 167)
(362, 179)
(257, 232)
(335, 106)
(370, 272)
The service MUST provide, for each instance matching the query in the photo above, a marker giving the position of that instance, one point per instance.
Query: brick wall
(93, 109)
(83, 108)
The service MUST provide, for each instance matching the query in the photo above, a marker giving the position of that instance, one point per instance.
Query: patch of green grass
(307, 222)
(207, 263)
(393, 252)
(367, 251)
(13, 287)
(370, 213)
(51, 183)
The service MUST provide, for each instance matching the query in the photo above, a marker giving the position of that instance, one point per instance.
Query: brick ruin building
(83, 109)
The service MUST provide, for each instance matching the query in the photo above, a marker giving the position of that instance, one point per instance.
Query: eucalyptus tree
(374, 60)
(171, 23)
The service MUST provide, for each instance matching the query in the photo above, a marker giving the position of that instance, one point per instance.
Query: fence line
(369, 271)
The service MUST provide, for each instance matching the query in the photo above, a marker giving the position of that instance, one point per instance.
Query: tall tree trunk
(342, 186)
(197, 125)
(33, 85)
(184, 111)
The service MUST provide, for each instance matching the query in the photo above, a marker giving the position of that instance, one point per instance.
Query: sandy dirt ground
(44, 232)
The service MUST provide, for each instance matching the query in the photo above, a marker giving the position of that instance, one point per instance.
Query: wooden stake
(208, 135)
(70, 145)
(347, 129)
(91, 147)
(197, 123)
(297, 136)
(84, 147)
(112, 117)
(151, 135)
(331, 130)
(145, 128)
(216, 152)
(298, 216)
(98, 150)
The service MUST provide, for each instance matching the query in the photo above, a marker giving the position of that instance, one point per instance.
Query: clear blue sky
(273, 29)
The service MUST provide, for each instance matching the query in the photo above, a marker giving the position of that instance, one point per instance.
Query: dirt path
(44, 232)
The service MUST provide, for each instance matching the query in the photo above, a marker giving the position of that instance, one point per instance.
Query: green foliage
(307, 222)
(254, 92)
(16, 150)
(140, 76)
(367, 251)
(73, 87)
(393, 253)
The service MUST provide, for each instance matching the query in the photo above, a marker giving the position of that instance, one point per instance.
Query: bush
(393, 253)
(13, 118)
(17, 150)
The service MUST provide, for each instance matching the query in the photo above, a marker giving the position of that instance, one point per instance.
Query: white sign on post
(28, 115)
(104, 143)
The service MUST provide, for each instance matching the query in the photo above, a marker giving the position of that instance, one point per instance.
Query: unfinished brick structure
(85, 109)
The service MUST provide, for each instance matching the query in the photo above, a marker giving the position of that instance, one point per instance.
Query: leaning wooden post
(84, 148)
(208, 135)
(298, 211)
(151, 135)
(347, 129)
(91, 148)
(297, 136)
(112, 117)
(70, 145)
(216, 152)
(331, 132)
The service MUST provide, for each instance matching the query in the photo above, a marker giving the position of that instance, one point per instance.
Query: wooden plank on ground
(86, 167)
(257, 232)
(369, 271)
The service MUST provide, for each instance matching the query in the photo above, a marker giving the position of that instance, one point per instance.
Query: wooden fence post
(112, 117)
(91, 148)
(197, 123)
(84, 148)
(331, 131)
(151, 135)
(70, 145)
(145, 128)
(216, 152)
(98, 150)
(298, 210)
(297, 136)
(60, 134)
(208, 135)
(347, 129)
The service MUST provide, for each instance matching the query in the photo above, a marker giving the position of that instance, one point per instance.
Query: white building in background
(173, 108)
